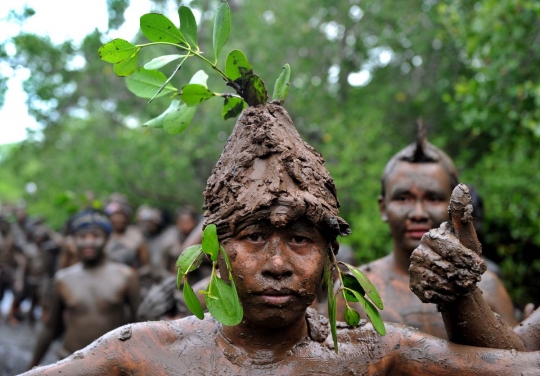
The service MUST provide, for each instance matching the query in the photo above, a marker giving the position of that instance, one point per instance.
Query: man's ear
(382, 209)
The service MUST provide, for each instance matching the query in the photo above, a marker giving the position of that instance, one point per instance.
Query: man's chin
(274, 317)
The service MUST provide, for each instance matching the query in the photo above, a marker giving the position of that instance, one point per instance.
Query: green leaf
(281, 88)
(144, 83)
(200, 77)
(188, 25)
(192, 302)
(127, 66)
(332, 309)
(366, 284)
(116, 50)
(237, 66)
(224, 304)
(158, 122)
(190, 259)
(352, 283)
(161, 61)
(255, 92)
(210, 242)
(167, 80)
(352, 318)
(158, 28)
(222, 28)
(194, 94)
(226, 258)
(178, 119)
(232, 107)
(373, 314)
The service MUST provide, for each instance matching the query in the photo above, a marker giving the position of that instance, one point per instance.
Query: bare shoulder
(490, 282)
(132, 349)
(70, 272)
(376, 265)
(121, 269)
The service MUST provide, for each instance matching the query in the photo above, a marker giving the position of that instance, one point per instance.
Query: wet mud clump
(267, 172)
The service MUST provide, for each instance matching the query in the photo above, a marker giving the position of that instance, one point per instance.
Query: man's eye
(437, 199)
(299, 240)
(401, 198)
(255, 237)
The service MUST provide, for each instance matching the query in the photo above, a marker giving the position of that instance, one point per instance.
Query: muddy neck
(276, 342)
(401, 260)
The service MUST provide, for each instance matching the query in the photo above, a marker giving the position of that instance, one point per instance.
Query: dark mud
(267, 171)
(446, 268)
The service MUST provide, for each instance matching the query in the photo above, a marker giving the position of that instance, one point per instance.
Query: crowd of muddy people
(133, 255)
(445, 310)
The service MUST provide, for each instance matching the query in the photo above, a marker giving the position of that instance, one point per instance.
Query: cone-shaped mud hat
(266, 171)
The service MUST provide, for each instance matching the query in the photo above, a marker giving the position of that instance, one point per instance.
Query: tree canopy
(362, 73)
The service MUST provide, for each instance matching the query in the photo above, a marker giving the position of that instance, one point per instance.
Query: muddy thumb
(460, 211)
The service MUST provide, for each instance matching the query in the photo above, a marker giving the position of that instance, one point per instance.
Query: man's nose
(418, 211)
(277, 264)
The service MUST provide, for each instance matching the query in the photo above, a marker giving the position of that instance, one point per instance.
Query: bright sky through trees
(60, 20)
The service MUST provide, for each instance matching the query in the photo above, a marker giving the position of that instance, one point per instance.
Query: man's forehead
(423, 176)
(300, 223)
(90, 230)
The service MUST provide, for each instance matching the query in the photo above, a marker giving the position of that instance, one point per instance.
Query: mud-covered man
(276, 210)
(416, 186)
(92, 297)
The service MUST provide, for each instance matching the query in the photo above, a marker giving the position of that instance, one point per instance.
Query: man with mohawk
(416, 187)
(276, 211)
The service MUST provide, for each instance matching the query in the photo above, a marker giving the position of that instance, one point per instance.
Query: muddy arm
(421, 354)
(143, 254)
(94, 360)
(133, 296)
(445, 269)
(52, 329)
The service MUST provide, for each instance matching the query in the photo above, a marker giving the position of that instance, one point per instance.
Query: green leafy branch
(149, 82)
(355, 287)
(221, 298)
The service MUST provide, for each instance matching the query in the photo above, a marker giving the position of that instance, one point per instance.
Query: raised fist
(447, 263)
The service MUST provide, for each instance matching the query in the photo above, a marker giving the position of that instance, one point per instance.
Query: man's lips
(416, 232)
(276, 297)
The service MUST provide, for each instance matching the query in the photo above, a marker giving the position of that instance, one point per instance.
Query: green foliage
(351, 283)
(191, 301)
(189, 260)
(221, 298)
(352, 318)
(188, 25)
(366, 285)
(194, 94)
(281, 88)
(210, 243)
(357, 128)
(238, 67)
(158, 28)
(223, 303)
(232, 107)
(145, 83)
(222, 28)
(117, 50)
(161, 61)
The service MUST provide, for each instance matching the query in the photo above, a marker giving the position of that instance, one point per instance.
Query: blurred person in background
(126, 244)
(91, 297)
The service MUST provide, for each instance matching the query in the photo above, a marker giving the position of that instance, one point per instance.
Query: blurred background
(362, 73)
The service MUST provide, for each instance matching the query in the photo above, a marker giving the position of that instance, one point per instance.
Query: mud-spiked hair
(421, 151)
(267, 172)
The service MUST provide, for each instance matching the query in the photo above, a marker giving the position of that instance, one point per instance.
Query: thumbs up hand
(447, 263)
